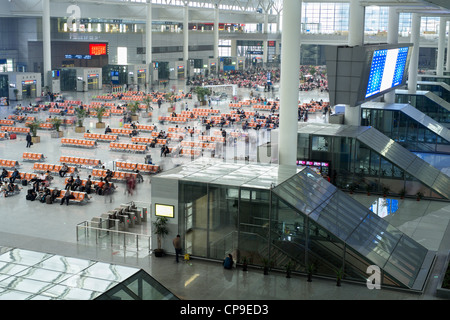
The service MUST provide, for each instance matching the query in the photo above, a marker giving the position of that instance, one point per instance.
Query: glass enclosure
(425, 105)
(356, 166)
(304, 220)
(437, 89)
(405, 130)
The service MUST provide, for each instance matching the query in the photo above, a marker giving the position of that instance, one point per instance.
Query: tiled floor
(51, 230)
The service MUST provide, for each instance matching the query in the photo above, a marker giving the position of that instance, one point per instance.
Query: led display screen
(98, 49)
(163, 210)
(387, 70)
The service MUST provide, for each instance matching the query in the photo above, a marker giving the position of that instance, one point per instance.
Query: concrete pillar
(186, 33)
(414, 61)
(448, 54)
(356, 24)
(441, 47)
(392, 38)
(46, 42)
(148, 35)
(265, 31)
(216, 32)
(352, 114)
(233, 48)
(290, 69)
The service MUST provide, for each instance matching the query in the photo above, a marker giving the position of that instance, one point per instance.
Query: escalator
(348, 231)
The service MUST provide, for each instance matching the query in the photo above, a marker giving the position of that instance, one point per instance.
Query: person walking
(28, 140)
(177, 245)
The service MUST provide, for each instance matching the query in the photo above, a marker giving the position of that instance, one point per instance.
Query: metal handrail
(85, 225)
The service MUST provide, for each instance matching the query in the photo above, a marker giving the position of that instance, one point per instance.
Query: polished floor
(50, 230)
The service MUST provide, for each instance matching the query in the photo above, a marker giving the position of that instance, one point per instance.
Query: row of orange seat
(142, 167)
(80, 161)
(78, 196)
(198, 144)
(30, 156)
(78, 143)
(9, 163)
(23, 175)
(123, 132)
(128, 147)
(15, 129)
(101, 137)
(117, 175)
(148, 140)
(53, 168)
(5, 122)
(140, 127)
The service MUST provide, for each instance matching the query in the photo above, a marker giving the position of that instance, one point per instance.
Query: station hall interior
(309, 137)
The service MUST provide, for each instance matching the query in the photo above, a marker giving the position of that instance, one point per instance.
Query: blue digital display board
(387, 70)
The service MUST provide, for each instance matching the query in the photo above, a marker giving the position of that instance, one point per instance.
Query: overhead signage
(78, 56)
(163, 210)
(98, 49)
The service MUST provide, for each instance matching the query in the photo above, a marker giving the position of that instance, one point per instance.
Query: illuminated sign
(312, 163)
(98, 49)
(26, 82)
(141, 70)
(387, 70)
(163, 210)
(78, 56)
(271, 43)
(93, 75)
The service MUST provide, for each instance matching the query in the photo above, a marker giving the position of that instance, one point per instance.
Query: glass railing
(107, 236)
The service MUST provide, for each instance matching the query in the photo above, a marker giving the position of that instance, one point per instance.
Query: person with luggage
(28, 138)
(4, 175)
(68, 195)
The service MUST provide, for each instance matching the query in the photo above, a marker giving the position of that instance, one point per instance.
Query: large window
(325, 18)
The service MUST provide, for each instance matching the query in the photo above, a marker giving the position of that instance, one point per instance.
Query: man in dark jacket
(28, 140)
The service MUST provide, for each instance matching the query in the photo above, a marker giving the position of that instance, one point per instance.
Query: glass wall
(355, 166)
(405, 130)
(425, 105)
(304, 221)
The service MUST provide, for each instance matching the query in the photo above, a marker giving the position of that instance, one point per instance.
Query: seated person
(68, 195)
(99, 186)
(228, 262)
(77, 183)
(88, 186)
(108, 130)
(69, 183)
(4, 175)
(64, 170)
(55, 194)
(15, 175)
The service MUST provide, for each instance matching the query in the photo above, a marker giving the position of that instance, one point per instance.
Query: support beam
(46, 42)
(216, 32)
(414, 61)
(186, 34)
(356, 24)
(290, 68)
(148, 34)
(392, 38)
(441, 47)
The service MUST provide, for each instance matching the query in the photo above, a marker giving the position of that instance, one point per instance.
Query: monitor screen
(387, 70)
(164, 210)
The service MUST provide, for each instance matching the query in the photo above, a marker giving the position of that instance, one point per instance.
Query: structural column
(441, 47)
(448, 54)
(356, 24)
(392, 38)
(290, 70)
(414, 61)
(265, 31)
(148, 34)
(186, 33)
(216, 32)
(46, 42)
(352, 115)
